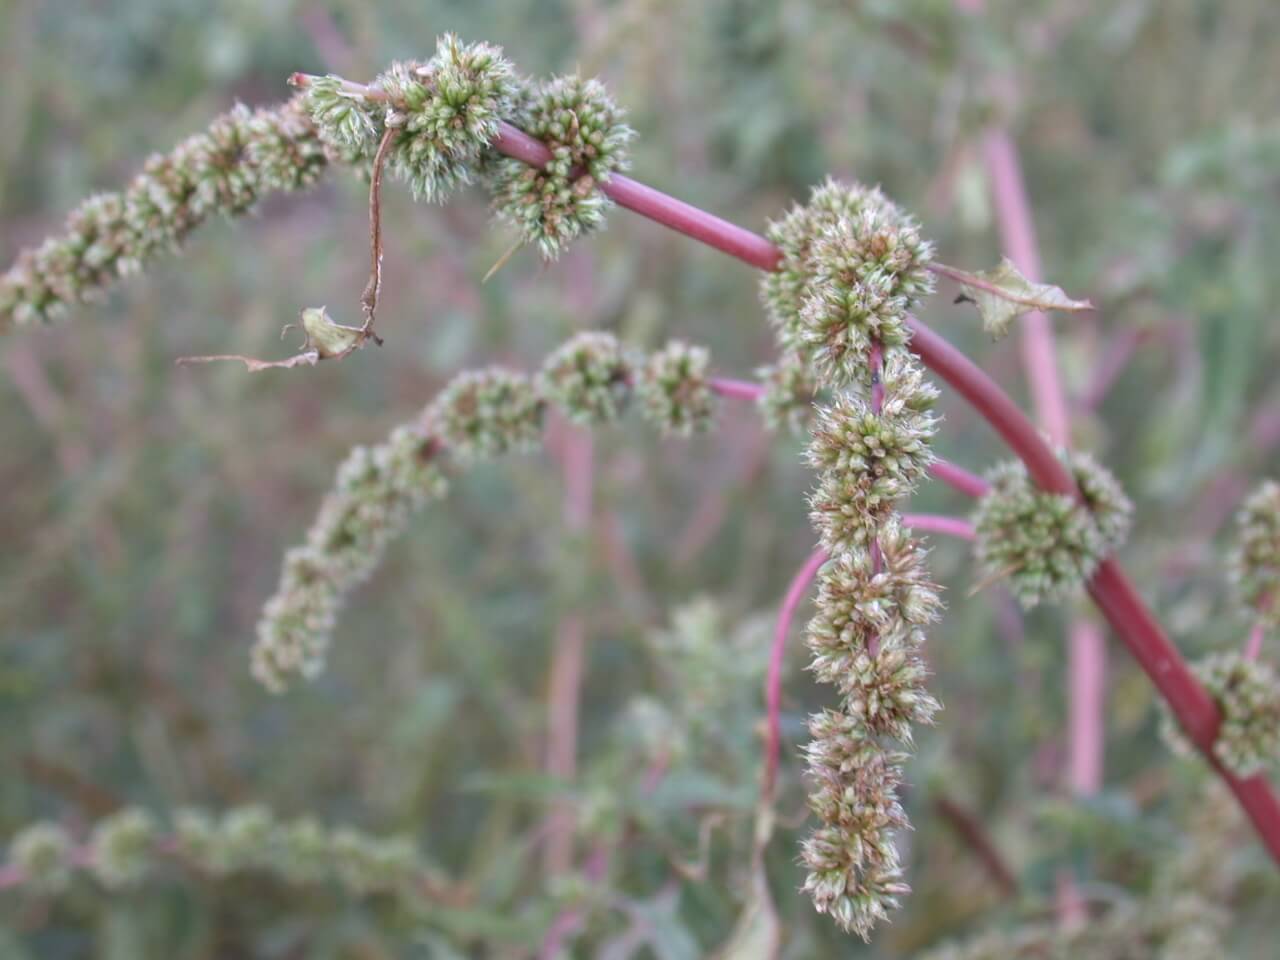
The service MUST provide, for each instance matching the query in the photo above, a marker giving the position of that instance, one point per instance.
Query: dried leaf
(1004, 294)
(327, 338)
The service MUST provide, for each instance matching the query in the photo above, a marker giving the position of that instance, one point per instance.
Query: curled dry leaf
(326, 340)
(1004, 294)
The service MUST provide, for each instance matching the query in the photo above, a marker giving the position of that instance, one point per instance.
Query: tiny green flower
(486, 413)
(589, 378)
(587, 136)
(1049, 544)
(1254, 562)
(41, 853)
(674, 390)
(120, 848)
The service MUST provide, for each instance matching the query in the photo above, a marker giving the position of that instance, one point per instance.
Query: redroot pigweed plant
(842, 274)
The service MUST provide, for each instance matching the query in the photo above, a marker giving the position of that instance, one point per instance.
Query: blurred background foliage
(147, 506)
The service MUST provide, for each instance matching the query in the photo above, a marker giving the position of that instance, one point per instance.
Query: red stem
(958, 478)
(657, 206)
(935, 523)
(773, 679)
(1110, 588)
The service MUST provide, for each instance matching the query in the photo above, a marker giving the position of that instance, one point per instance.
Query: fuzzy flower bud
(370, 865)
(589, 378)
(1049, 544)
(585, 132)
(1255, 560)
(41, 854)
(789, 391)
(244, 155)
(674, 390)
(854, 875)
(486, 413)
(867, 460)
(121, 848)
(1248, 694)
(445, 112)
(853, 265)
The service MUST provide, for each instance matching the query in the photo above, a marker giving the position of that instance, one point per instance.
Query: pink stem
(773, 679)
(1253, 645)
(648, 202)
(935, 523)
(958, 478)
(10, 876)
(738, 389)
(1087, 679)
(565, 688)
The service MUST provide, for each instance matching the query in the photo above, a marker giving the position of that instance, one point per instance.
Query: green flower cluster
(445, 113)
(588, 138)
(1254, 563)
(590, 378)
(866, 459)
(121, 848)
(480, 415)
(43, 855)
(787, 404)
(1248, 694)
(126, 847)
(377, 490)
(486, 413)
(853, 266)
(244, 155)
(1049, 544)
(674, 389)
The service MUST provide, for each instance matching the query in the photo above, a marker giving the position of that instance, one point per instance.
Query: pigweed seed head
(585, 131)
(483, 414)
(852, 267)
(1049, 544)
(121, 848)
(376, 492)
(787, 404)
(1248, 694)
(244, 155)
(41, 853)
(589, 378)
(674, 391)
(1254, 563)
(867, 460)
(444, 113)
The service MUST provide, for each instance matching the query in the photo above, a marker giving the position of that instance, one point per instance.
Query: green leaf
(1004, 294)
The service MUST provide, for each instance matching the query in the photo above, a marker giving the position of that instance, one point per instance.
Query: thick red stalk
(1110, 588)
